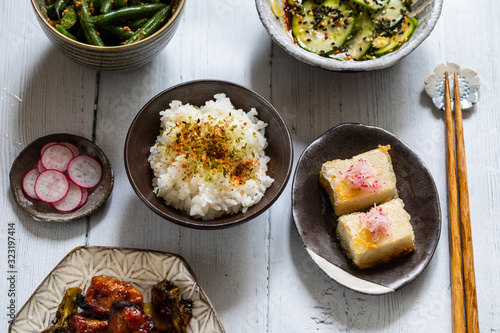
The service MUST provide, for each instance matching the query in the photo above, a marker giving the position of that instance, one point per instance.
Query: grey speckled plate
(43, 211)
(142, 268)
(316, 221)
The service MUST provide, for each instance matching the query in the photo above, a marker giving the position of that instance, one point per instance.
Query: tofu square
(359, 182)
(382, 234)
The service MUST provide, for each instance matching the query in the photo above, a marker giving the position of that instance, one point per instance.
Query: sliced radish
(72, 199)
(47, 145)
(74, 149)
(84, 171)
(56, 157)
(40, 166)
(85, 196)
(51, 186)
(29, 180)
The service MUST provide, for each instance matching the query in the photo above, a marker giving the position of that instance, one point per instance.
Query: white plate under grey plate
(142, 268)
(316, 222)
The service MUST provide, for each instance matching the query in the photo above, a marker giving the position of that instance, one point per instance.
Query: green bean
(89, 29)
(50, 7)
(65, 32)
(120, 3)
(59, 6)
(106, 6)
(134, 2)
(120, 32)
(137, 24)
(127, 13)
(151, 26)
(94, 6)
(69, 18)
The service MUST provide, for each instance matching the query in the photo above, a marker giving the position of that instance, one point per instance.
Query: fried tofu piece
(359, 182)
(382, 234)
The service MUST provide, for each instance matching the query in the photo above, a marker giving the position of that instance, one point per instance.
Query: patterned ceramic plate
(140, 267)
(316, 221)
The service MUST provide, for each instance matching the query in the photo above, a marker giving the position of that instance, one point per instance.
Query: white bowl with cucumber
(349, 35)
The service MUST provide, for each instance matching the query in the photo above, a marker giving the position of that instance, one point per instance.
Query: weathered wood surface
(257, 275)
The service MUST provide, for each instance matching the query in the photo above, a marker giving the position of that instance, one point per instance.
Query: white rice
(210, 161)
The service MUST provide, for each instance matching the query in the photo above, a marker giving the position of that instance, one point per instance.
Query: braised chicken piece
(105, 290)
(126, 317)
(84, 323)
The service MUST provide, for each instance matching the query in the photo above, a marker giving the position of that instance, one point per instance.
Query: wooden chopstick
(457, 292)
(467, 251)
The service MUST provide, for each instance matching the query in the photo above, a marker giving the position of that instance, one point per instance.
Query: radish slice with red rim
(85, 197)
(51, 186)
(74, 149)
(85, 171)
(47, 145)
(29, 180)
(56, 157)
(40, 166)
(71, 200)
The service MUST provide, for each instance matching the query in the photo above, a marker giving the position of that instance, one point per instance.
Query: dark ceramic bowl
(316, 222)
(426, 11)
(111, 58)
(145, 127)
(43, 211)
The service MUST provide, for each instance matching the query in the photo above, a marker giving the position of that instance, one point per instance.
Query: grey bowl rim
(90, 47)
(284, 41)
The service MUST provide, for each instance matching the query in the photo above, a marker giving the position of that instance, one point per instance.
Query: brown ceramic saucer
(316, 222)
(43, 211)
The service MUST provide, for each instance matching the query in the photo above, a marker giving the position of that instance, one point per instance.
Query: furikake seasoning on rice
(210, 161)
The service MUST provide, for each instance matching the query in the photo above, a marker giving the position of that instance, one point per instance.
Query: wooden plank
(258, 275)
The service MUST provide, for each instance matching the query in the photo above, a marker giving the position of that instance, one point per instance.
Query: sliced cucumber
(394, 41)
(361, 41)
(323, 26)
(373, 5)
(390, 15)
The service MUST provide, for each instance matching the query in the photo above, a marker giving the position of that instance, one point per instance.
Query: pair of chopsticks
(464, 297)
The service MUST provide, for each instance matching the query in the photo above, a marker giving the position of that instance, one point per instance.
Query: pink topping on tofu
(376, 222)
(363, 175)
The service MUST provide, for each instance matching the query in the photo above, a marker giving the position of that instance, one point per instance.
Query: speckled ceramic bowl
(42, 211)
(426, 11)
(145, 128)
(112, 58)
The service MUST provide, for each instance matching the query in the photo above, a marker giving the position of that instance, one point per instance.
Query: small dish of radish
(61, 177)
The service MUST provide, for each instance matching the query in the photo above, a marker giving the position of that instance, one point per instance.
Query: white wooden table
(257, 275)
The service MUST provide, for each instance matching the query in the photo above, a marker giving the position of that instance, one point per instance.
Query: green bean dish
(108, 22)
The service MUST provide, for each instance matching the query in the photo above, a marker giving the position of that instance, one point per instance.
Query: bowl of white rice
(208, 154)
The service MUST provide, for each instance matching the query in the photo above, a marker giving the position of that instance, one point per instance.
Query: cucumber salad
(350, 29)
